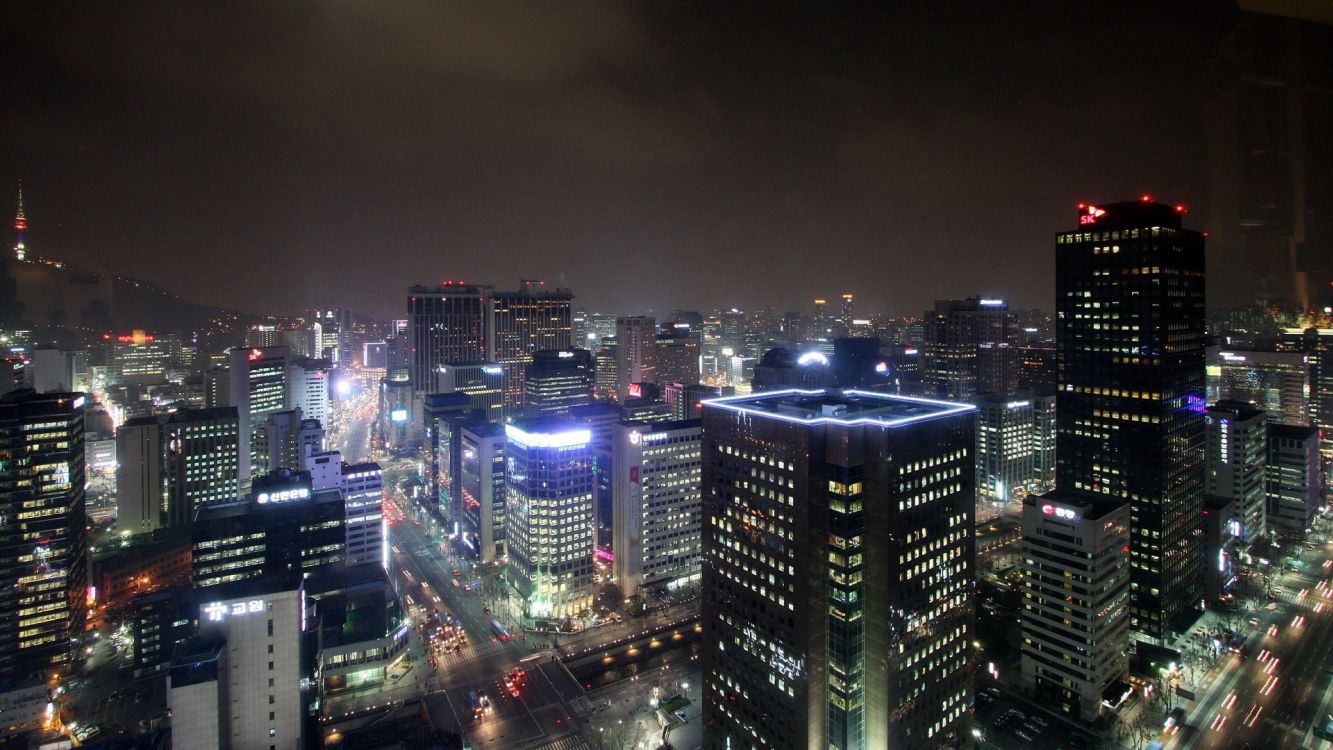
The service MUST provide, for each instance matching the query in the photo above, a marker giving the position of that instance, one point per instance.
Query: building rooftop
(834, 406)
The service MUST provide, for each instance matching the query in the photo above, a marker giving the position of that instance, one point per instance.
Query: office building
(1005, 463)
(954, 330)
(173, 464)
(686, 401)
(676, 354)
(1223, 544)
(484, 382)
(656, 501)
(444, 414)
(549, 498)
(43, 552)
(527, 321)
(258, 381)
(558, 380)
(481, 483)
(141, 358)
(238, 684)
(605, 363)
(308, 387)
(1130, 335)
(285, 439)
(359, 631)
(295, 341)
(1236, 452)
(58, 370)
(1317, 344)
(1044, 442)
(1037, 371)
(283, 528)
(449, 323)
(636, 340)
(600, 419)
(162, 622)
(1075, 620)
(362, 488)
(1277, 382)
(827, 512)
(1292, 479)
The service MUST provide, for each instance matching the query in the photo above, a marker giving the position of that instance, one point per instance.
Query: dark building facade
(43, 544)
(529, 320)
(1130, 340)
(837, 574)
(557, 380)
(448, 323)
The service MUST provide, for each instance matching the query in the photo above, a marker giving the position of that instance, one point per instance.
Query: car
(485, 610)
(457, 573)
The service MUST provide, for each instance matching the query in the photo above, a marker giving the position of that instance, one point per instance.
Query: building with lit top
(954, 330)
(308, 387)
(1237, 450)
(448, 323)
(656, 505)
(140, 358)
(258, 381)
(527, 321)
(549, 499)
(362, 488)
(43, 548)
(1075, 619)
(838, 571)
(1130, 335)
(558, 380)
(483, 382)
(1005, 463)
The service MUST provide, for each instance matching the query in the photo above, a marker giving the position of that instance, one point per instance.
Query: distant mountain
(56, 294)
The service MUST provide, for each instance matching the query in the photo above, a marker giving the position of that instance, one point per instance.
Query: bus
(500, 631)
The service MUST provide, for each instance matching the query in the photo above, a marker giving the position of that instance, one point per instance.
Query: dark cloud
(276, 155)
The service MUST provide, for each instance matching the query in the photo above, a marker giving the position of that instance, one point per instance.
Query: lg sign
(1065, 513)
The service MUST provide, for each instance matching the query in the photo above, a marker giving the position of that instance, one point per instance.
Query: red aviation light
(1146, 198)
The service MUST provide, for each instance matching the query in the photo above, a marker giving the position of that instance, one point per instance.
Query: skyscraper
(1130, 335)
(954, 330)
(527, 321)
(170, 466)
(1005, 453)
(1236, 449)
(453, 322)
(837, 578)
(1292, 480)
(43, 552)
(483, 382)
(258, 383)
(636, 338)
(558, 380)
(481, 483)
(549, 497)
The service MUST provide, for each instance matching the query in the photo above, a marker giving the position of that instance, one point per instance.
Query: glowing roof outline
(568, 438)
(737, 404)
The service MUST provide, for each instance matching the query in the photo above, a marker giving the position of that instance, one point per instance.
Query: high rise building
(20, 226)
(686, 401)
(1317, 344)
(953, 332)
(59, 370)
(484, 382)
(141, 358)
(549, 499)
(258, 381)
(605, 363)
(1130, 335)
(362, 488)
(172, 465)
(285, 439)
(1075, 619)
(1276, 381)
(308, 387)
(558, 380)
(481, 482)
(656, 516)
(600, 419)
(43, 548)
(1236, 449)
(444, 414)
(1005, 463)
(636, 339)
(676, 355)
(1044, 442)
(283, 528)
(296, 341)
(450, 323)
(530, 320)
(219, 691)
(783, 369)
(1292, 480)
(847, 310)
(837, 577)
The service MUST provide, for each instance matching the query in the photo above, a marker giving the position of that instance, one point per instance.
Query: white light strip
(565, 439)
(738, 404)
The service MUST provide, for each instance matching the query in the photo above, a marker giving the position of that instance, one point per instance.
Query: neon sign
(264, 498)
(1092, 215)
(219, 611)
(1065, 513)
(256, 354)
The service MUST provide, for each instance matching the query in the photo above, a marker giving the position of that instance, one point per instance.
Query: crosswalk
(568, 742)
(470, 652)
(581, 705)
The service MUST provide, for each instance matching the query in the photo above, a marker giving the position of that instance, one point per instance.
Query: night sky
(273, 156)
